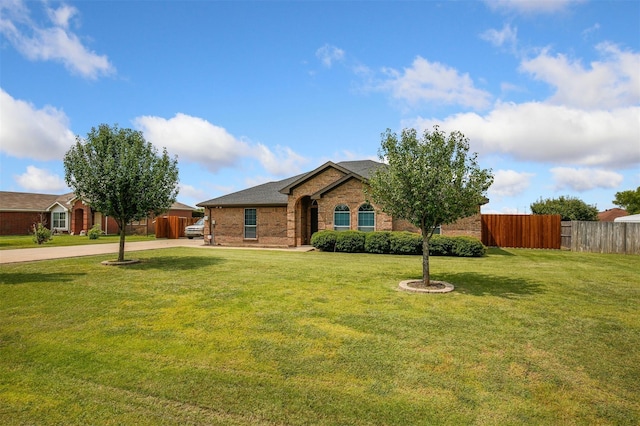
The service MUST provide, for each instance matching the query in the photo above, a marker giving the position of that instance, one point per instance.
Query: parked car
(195, 230)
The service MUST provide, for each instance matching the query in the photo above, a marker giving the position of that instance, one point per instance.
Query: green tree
(121, 175)
(569, 208)
(428, 181)
(628, 200)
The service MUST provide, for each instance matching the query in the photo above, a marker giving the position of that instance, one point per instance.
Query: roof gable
(277, 193)
(25, 201)
(319, 194)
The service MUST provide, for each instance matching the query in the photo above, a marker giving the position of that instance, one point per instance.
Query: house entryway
(307, 220)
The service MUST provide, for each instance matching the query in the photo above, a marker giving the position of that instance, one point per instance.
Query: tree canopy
(569, 208)
(118, 173)
(428, 181)
(628, 200)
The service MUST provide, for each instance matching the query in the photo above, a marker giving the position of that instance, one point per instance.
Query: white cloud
(40, 180)
(584, 179)
(427, 81)
(55, 42)
(193, 139)
(283, 162)
(191, 192)
(329, 54)
(509, 183)
(198, 141)
(28, 132)
(551, 134)
(507, 37)
(612, 82)
(531, 6)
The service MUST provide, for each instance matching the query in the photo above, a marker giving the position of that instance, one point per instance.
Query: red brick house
(286, 213)
(64, 214)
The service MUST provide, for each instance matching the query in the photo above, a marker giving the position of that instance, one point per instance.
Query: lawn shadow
(498, 252)
(490, 285)
(10, 278)
(174, 263)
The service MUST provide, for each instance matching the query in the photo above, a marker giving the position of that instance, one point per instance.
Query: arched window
(366, 218)
(341, 218)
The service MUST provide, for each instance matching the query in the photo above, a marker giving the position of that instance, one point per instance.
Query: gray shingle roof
(25, 201)
(268, 194)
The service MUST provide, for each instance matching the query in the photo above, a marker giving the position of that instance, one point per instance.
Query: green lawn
(26, 241)
(237, 337)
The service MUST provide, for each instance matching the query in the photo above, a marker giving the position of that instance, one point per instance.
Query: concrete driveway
(43, 253)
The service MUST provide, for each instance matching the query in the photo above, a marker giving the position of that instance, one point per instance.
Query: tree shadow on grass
(174, 263)
(9, 278)
(491, 285)
(498, 252)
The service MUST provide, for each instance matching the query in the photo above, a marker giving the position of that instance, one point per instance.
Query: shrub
(41, 234)
(324, 240)
(377, 242)
(468, 247)
(439, 245)
(350, 241)
(94, 233)
(405, 243)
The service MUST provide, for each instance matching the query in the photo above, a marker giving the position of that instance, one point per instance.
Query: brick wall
(469, 226)
(20, 223)
(229, 226)
(351, 194)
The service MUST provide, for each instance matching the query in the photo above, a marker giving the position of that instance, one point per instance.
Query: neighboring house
(287, 213)
(19, 211)
(611, 214)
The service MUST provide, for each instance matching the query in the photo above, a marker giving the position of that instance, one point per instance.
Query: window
(366, 218)
(59, 220)
(341, 218)
(250, 224)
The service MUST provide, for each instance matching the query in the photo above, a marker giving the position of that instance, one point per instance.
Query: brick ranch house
(65, 214)
(287, 213)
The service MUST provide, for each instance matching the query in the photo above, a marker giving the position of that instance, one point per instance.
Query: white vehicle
(195, 230)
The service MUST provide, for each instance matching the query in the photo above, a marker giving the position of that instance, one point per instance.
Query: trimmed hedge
(324, 240)
(350, 241)
(406, 243)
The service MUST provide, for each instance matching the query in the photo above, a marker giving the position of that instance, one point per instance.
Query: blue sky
(548, 92)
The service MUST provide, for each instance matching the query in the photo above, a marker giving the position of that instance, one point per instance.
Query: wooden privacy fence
(172, 226)
(605, 237)
(521, 231)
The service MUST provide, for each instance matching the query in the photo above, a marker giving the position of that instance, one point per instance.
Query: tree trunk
(121, 248)
(425, 259)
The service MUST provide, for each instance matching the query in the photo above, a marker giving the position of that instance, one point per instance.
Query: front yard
(236, 337)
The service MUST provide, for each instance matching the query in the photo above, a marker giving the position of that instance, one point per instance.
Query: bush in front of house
(350, 241)
(387, 242)
(324, 240)
(41, 234)
(439, 245)
(94, 233)
(405, 243)
(468, 247)
(377, 242)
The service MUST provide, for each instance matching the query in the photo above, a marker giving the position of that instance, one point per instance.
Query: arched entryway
(78, 221)
(306, 220)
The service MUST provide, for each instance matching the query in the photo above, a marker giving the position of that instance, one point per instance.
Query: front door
(314, 217)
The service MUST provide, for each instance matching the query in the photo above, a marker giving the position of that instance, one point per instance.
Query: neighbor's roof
(611, 214)
(29, 202)
(269, 194)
